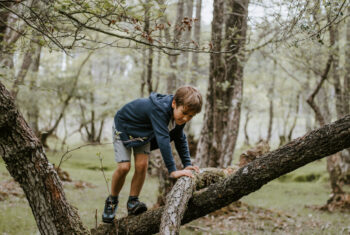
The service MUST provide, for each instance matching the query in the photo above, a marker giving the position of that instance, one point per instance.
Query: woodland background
(269, 71)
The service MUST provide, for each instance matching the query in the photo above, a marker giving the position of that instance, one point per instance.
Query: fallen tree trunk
(175, 206)
(181, 193)
(315, 145)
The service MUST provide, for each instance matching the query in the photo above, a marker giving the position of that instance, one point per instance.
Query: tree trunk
(149, 58)
(295, 119)
(143, 74)
(246, 135)
(10, 37)
(347, 68)
(149, 70)
(172, 78)
(26, 161)
(187, 39)
(159, 64)
(207, 149)
(271, 98)
(309, 125)
(315, 145)
(334, 43)
(28, 59)
(4, 13)
(338, 164)
(224, 96)
(33, 112)
(197, 37)
(232, 97)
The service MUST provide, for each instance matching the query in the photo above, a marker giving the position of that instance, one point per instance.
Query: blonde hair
(189, 97)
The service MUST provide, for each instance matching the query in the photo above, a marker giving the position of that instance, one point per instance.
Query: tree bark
(181, 193)
(236, 30)
(187, 38)
(149, 70)
(206, 154)
(28, 59)
(271, 99)
(172, 78)
(149, 58)
(334, 44)
(315, 145)
(143, 74)
(347, 68)
(224, 96)
(9, 39)
(246, 135)
(197, 37)
(337, 164)
(175, 206)
(294, 123)
(4, 13)
(26, 161)
(33, 112)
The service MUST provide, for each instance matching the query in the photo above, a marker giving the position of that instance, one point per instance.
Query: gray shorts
(122, 153)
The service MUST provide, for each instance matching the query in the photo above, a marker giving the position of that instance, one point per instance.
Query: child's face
(180, 114)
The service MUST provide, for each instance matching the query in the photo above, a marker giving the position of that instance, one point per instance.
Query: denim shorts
(122, 153)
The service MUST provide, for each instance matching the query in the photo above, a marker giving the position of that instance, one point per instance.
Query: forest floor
(288, 205)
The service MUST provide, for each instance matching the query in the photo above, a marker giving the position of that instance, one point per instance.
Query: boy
(144, 125)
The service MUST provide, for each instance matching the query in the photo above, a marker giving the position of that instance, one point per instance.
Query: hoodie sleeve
(181, 145)
(160, 127)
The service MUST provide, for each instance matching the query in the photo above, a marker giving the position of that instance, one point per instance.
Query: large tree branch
(315, 145)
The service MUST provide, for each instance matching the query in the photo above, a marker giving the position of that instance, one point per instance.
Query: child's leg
(141, 164)
(122, 156)
(118, 177)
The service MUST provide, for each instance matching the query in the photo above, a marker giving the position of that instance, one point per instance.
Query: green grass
(16, 216)
(291, 194)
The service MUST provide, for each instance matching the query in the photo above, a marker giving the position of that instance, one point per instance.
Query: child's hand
(177, 174)
(195, 168)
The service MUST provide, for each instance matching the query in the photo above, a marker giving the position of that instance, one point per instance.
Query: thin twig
(103, 172)
(82, 146)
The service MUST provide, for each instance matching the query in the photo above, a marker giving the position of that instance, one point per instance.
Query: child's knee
(124, 167)
(141, 165)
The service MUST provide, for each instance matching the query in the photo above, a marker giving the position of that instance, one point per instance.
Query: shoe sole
(108, 221)
(137, 210)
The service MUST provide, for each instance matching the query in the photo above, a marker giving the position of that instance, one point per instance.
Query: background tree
(224, 95)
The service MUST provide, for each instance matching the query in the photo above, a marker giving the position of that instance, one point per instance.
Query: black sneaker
(110, 210)
(135, 207)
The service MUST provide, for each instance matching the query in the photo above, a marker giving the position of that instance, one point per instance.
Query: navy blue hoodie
(146, 120)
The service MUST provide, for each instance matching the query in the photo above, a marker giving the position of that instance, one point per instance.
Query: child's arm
(160, 127)
(181, 145)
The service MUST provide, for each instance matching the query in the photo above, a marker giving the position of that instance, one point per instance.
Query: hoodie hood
(162, 101)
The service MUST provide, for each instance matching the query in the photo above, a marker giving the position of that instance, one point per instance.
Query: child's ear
(173, 104)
